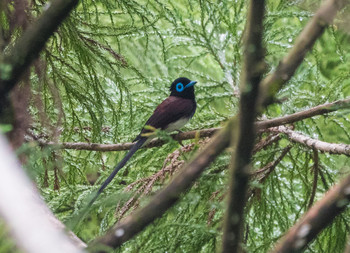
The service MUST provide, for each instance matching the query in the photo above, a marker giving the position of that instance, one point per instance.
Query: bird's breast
(177, 124)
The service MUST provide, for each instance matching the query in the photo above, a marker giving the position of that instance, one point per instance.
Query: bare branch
(105, 47)
(125, 146)
(288, 119)
(314, 111)
(332, 148)
(316, 219)
(34, 227)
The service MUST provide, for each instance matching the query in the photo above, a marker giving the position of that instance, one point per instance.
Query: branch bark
(316, 219)
(260, 125)
(314, 111)
(332, 148)
(253, 70)
(41, 232)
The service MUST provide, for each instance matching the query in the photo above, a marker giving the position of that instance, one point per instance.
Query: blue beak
(190, 84)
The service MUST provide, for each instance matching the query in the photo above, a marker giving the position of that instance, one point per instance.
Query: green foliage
(109, 65)
(7, 244)
(4, 128)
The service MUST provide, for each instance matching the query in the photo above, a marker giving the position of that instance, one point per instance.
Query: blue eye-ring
(179, 87)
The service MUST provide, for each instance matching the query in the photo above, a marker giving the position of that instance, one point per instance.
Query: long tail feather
(126, 158)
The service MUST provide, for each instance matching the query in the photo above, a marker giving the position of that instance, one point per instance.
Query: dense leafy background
(111, 63)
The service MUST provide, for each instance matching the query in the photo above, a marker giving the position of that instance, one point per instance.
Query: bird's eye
(179, 87)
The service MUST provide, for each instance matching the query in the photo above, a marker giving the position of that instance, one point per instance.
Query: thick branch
(240, 162)
(29, 45)
(316, 219)
(32, 224)
(332, 148)
(260, 125)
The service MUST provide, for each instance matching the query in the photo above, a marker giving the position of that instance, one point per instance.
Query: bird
(170, 115)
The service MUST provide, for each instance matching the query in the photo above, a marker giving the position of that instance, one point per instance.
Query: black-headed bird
(170, 115)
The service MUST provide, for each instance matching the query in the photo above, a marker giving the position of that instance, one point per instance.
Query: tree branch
(34, 227)
(260, 125)
(243, 138)
(308, 113)
(127, 145)
(32, 41)
(316, 219)
(303, 44)
(332, 148)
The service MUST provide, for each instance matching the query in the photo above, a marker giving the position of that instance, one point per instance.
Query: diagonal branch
(316, 219)
(332, 148)
(308, 113)
(303, 44)
(32, 41)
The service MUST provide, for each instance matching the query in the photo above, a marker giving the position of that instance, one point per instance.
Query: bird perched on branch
(172, 114)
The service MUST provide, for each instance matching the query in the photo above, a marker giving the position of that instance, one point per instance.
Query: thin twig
(262, 144)
(261, 174)
(314, 183)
